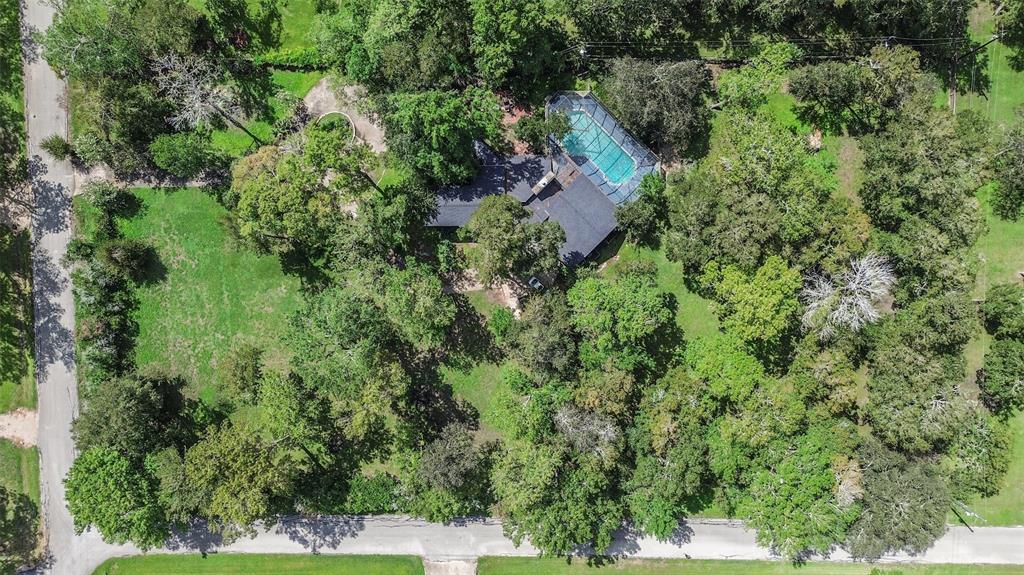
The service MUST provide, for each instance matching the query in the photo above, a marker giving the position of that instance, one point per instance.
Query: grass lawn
(224, 564)
(216, 291)
(296, 20)
(236, 143)
(477, 384)
(17, 384)
(1005, 92)
(555, 566)
(693, 314)
(19, 469)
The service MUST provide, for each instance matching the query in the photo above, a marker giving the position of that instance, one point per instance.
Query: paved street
(54, 324)
(53, 302)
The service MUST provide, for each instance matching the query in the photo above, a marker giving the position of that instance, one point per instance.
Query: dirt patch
(21, 426)
(102, 172)
(850, 159)
(511, 114)
(505, 294)
(323, 99)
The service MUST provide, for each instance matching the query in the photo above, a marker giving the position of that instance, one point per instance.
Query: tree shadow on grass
(15, 305)
(468, 342)
(432, 404)
(151, 270)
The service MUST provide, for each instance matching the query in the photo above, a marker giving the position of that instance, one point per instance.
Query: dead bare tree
(194, 85)
(588, 432)
(851, 300)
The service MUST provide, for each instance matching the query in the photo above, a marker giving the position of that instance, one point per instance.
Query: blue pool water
(590, 140)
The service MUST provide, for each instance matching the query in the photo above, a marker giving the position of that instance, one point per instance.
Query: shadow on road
(317, 532)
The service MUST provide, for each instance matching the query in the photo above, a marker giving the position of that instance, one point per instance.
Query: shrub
(1004, 310)
(184, 154)
(643, 218)
(90, 149)
(499, 324)
(371, 495)
(535, 128)
(1002, 381)
(449, 259)
(127, 256)
(293, 58)
(57, 147)
(980, 456)
(240, 372)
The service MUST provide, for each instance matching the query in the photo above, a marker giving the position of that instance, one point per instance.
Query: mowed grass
(17, 384)
(236, 143)
(1000, 259)
(555, 566)
(225, 564)
(19, 469)
(216, 293)
(1005, 91)
(693, 313)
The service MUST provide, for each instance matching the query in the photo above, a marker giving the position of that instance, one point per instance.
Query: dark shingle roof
(583, 210)
(586, 215)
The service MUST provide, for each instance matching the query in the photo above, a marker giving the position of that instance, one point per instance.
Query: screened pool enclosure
(605, 152)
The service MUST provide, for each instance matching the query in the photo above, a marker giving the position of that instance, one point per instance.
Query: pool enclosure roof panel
(595, 119)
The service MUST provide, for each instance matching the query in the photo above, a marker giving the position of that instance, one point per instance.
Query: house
(597, 166)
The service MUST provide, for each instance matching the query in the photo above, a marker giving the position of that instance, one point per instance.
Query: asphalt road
(71, 554)
(394, 535)
(52, 299)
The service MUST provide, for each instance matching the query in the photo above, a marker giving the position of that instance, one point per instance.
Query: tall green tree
(104, 489)
(663, 103)
(793, 503)
(509, 247)
(619, 317)
(671, 452)
(1002, 382)
(1008, 195)
(347, 351)
(759, 308)
(543, 340)
(240, 476)
(905, 504)
(133, 416)
(93, 39)
(434, 131)
(515, 42)
(414, 301)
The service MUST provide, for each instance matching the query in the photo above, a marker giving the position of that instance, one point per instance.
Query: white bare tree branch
(852, 300)
(193, 84)
(588, 432)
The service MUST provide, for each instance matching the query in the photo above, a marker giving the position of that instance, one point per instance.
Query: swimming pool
(589, 139)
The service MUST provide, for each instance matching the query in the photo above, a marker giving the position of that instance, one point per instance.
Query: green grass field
(693, 314)
(1004, 94)
(19, 469)
(226, 564)
(531, 566)
(17, 384)
(235, 143)
(216, 291)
